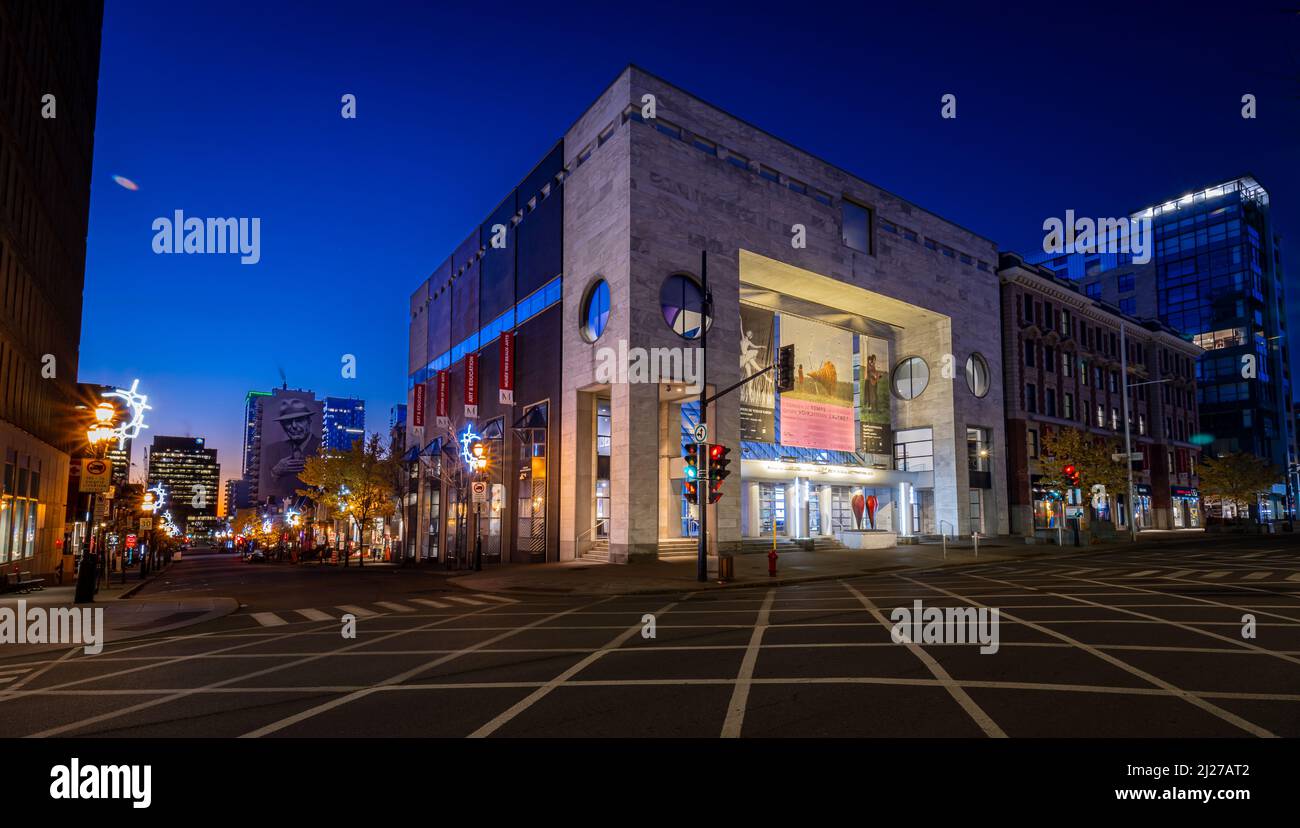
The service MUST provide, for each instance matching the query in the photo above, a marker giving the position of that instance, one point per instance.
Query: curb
(694, 586)
(129, 591)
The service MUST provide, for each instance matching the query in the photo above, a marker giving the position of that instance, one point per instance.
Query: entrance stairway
(599, 551)
(754, 546)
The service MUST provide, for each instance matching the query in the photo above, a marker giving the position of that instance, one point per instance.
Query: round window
(595, 311)
(911, 376)
(682, 303)
(977, 374)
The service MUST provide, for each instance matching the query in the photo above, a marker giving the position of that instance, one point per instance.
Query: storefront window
(977, 449)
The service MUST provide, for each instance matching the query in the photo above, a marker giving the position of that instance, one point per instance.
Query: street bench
(24, 583)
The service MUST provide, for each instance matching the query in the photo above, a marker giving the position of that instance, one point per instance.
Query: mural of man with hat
(287, 457)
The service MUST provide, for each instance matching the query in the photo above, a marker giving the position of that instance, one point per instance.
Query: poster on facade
(873, 414)
(471, 386)
(757, 399)
(506, 369)
(442, 400)
(818, 412)
(417, 406)
(290, 427)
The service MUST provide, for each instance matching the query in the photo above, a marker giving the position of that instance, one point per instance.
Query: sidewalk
(678, 575)
(123, 620)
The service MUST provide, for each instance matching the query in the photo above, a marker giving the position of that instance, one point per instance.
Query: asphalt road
(1136, 644)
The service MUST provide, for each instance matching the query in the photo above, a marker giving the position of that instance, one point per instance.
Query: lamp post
(478, 462)
(97, 437)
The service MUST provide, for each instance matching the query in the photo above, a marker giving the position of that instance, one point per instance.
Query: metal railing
(593, 528)
(944, 536)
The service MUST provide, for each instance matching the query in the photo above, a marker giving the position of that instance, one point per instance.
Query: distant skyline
(234, 111)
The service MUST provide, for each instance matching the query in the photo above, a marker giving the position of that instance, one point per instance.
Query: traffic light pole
(1128, 440)
(701, 491)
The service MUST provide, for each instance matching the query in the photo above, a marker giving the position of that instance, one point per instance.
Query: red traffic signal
(718, 461)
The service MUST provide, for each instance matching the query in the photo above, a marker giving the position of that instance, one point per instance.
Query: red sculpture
(857, 503)
(871, 510)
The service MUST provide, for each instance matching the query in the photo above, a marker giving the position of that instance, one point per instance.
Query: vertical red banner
(506, 364)
(471, 386)
(418, 405)
(443, 400)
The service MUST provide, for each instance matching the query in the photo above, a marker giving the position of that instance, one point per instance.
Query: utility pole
(1128, 445)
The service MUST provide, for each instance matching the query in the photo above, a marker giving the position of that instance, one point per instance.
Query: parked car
(257, 556)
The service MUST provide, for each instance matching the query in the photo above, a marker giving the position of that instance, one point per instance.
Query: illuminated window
(595, 311)
(911, 376)
(682, 303)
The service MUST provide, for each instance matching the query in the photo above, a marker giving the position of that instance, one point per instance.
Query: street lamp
(98, 437)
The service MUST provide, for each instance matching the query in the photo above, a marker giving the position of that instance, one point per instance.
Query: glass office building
(1216, 277)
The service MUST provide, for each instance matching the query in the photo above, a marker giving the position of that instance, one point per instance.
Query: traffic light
(1071, 474)
(718, 462)
(785, 369)
(691, 453)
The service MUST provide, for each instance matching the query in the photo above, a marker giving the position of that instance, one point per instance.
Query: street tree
(356, 484)
(1236, 479)
(1091, 456)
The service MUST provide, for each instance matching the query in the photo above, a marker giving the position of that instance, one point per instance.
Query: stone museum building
(564, 332)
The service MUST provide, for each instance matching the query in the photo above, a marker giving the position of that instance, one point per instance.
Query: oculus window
(595, 311)
(911, 376)
(977, 374)
(682, 303)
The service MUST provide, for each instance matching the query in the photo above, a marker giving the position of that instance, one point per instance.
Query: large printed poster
(290, 429)
(874, 411)
(757, 398)
(818, 413)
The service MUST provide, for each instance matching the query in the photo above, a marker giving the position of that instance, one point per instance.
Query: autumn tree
(356, 484)
(1237, 479)
(1091, 456)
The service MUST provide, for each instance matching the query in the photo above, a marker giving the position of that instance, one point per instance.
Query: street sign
(479, 488)
(701, 433)
(1119, 456)
(1074, 511)
(95, 475)
(130, 541)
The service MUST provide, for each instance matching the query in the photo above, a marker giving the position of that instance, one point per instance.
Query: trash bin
(726, 568)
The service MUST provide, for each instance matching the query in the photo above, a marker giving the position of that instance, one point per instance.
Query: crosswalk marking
(469, 601)
(314, 615)
(1294, 577)
(426, 602)
(1182, 573)
(1142, 574)
(269, 619)
(355, 610)
(1257, 576)
(1218, 574)
(497, 598)
(394, 606)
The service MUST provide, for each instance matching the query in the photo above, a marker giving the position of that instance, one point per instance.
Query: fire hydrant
(771, 563)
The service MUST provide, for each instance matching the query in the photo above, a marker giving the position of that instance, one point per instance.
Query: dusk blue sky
(233, 109)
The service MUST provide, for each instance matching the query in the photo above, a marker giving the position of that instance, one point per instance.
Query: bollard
(975, 537)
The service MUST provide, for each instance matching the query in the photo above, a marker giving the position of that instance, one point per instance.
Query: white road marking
(1295, 577)
(1219, 574)
(984, 720)
(1257, 576)
(1142, 574)
(355, 610)
(1182, 573)
(1188, 695)
(469, 601)
(426, 602)
(417, 670)
(497, 598)
(394, 606)
(269, 619)
(740, 693)
(535, 696)
(315, 615)
(4, 679)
